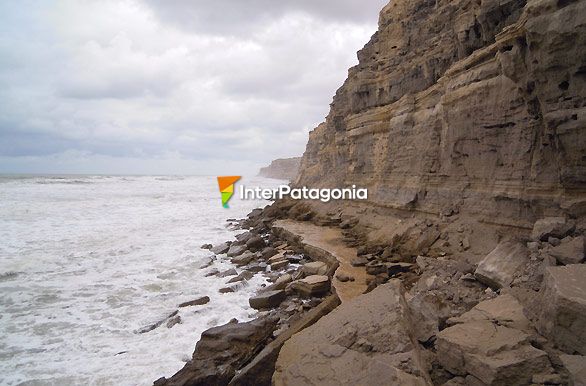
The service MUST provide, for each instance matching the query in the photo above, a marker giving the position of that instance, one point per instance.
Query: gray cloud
(190, 84)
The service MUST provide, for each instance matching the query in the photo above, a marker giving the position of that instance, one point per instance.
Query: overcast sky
(170, 87)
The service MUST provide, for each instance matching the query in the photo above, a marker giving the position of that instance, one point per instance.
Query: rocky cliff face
(282, 169)
(470, 106)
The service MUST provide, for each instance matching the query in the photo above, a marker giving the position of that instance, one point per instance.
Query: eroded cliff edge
(463, 106)
(281, 168)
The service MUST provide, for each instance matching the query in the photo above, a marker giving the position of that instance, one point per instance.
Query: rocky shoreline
(430, 317)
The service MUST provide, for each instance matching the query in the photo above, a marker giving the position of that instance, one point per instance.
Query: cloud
(208, 82)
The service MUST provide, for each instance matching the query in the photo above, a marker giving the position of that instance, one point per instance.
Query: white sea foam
(85, 262)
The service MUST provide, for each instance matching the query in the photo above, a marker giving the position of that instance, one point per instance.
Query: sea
(86, 262)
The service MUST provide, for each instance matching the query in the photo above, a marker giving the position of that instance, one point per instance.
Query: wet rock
(221, 248)
(268, 299)
(499, 267)
(280, 264)
(236, 250)
(196, 302)
(226, 290)
(173, 321)
(221, 351)
(207, 246)
(576, 367)
(365, 341)
(268, 252)
(242, 238)
(496, 355)
(157, 324)
(315, 268)
(570, 250)
(243, 259)
(313, 285)
(562, 316)
(245, 275)
(255, 243)
(282, 282)
(258, 267)
(551, 227)
(226, 273)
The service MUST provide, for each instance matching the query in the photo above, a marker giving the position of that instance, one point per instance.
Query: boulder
(206, 246)
(260, 370)
(365, 341)
(359, 261)
(576, 366)
(280, 264)
(221, 248)
(268, 252)
(313, 285)
(551, 227)
(569, 251)
(255, 243)
(495, 354)
(243, 238)
(268, 299)
(196, 302)
(562, 316)
(245, 275)
(499, 267)
(344, 277)
(243, 259)
(236, 250)
(173, 321)
(278, 257)
(221, 351)
(315, 268)
(226, 273)
(282, 282)
(505, 310)
(258, 267)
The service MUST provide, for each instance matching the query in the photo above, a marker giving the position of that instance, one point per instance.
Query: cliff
(473, 107)
(282, 169)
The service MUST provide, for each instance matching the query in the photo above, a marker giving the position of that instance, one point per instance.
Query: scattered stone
(562, 316)
(226, 290)
(245, 275)
(226, 273)
(359, 261)
(236, 250)
(157, 324)
(570, 250)
(280, 264)
(375, 267)
(221, 248)
(576, 366)
(196, 302)
(268, 252)
(396, 268)
(282, 282)
(278, 257)
(207, 246)
(173, 321)
(242, 238)
(258, 267)
(554, 241)
(315, 268)
(499, 267)
(243, 259)
(551, 227)
(268, 299)
(213, 272)
(344, 277)
(255, 243)
(313, 285)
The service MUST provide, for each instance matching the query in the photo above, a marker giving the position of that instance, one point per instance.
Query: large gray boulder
(499, 267)
(569, 251)
(221, 248)
(236, 250)
(562, 316)
(365, 341)
(551, 227)
(268, 299)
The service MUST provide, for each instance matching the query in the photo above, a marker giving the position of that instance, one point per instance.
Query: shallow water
(85, 262)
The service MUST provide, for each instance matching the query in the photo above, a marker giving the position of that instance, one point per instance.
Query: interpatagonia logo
(226, 184)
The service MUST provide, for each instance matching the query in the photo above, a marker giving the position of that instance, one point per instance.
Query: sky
(170, 86)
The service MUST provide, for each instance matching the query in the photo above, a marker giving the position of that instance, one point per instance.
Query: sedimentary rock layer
(282, 168)
(470, 106)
